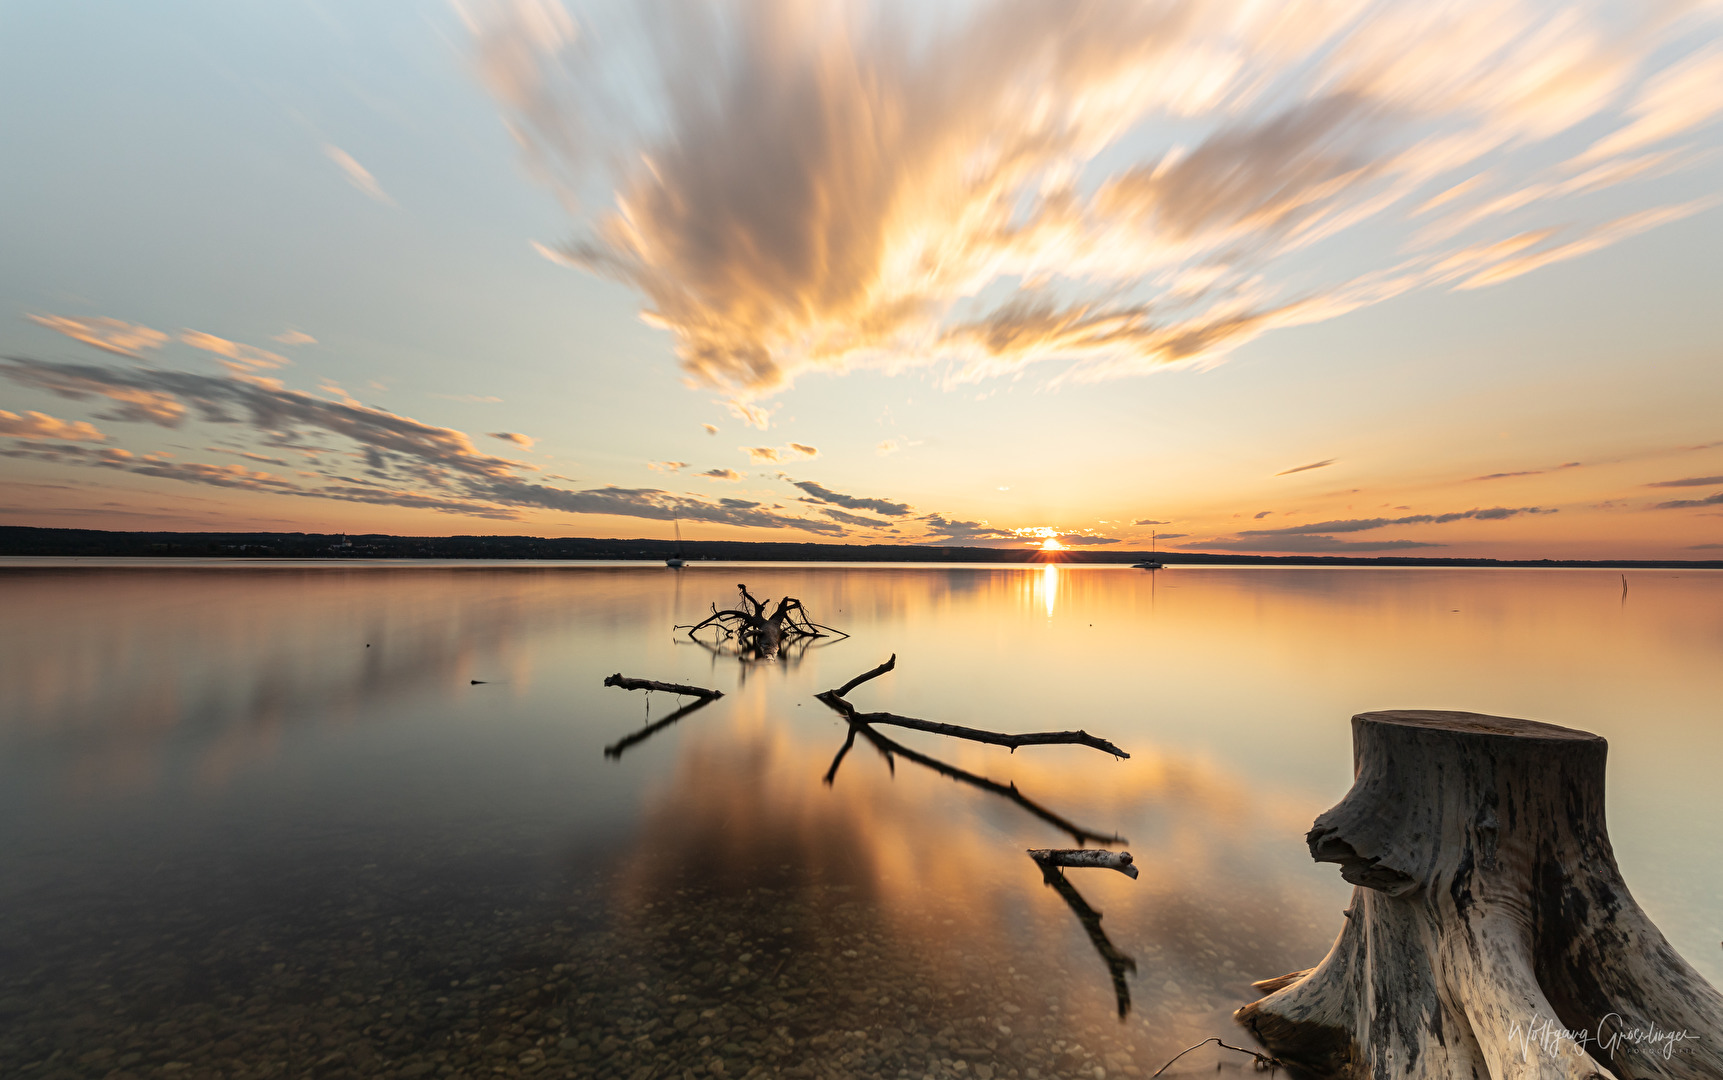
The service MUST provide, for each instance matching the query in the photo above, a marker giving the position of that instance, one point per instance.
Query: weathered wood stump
(1491, 934)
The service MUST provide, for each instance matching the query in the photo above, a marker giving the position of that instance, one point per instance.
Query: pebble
(412, 973)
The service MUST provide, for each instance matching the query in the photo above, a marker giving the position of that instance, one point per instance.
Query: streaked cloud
(1306, 468)
(473, 399)
(667, 466)
(523, 441)
(823, 186)
(1682, 504)
(404, 462)
(238, 358)
(729, 475)
(854, 519)
(1347, 525)
(1530, 472)
(761, 455)
(1085, 540)
(1150, 521)
(1691, 481)
(295, 337)
(35, 425)
(1302, 544)
(356, 174)
(942, 529)
(820, 493)
(112, 335)
(711, 429)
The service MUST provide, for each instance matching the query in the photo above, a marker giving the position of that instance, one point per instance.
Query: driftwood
(891, 750)
(1490, 934)
(980, 735)
(680, 689)
(754, 633)
(1107, 860)
(1117, 962)
(703, 697)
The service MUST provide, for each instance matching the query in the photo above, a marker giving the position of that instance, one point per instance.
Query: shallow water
(260, 820)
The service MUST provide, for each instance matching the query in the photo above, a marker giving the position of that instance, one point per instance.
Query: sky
(1309, 277)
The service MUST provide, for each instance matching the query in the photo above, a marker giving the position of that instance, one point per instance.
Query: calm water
(260, 820)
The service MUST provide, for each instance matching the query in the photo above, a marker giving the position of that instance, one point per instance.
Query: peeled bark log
(1490, 934)
(1106, 860)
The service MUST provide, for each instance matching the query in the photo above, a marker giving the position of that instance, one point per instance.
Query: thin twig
(864, 677)
(1263, 1061)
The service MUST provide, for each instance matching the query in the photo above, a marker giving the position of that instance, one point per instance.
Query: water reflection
(204, 775)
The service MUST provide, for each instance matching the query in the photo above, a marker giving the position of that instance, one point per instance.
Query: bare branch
(864, 677)
(627, 683)
(1035, 738)
(894, 749)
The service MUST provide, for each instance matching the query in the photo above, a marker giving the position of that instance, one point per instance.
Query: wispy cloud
(523, 441)
(821, 493)
(947, 530)
(1529, 472)
(357, 174)
(1306, 544)
(1682, 504)
(729, 475)
(1347, 525)
(1691, 481)
(818, 186)
(238, 358)
(1150, 521)
(112, 335)
(1305, 468)
(761, 455)
(667, 466)
(295, 337)
(403, 461)
(35, 425)
(473, 399)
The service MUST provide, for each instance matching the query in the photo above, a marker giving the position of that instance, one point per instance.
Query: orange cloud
(240, 358)
(826, 188)
(112, 335)
(357, 174)
(35, 425)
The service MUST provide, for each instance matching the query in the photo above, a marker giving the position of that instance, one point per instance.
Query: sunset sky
(1333, 276)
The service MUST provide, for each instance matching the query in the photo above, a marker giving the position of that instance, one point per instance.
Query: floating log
(1106, 860)
(1117, 961)
(1490, 934)
(684, 690)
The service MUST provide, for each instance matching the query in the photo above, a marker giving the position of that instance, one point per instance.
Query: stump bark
(1490, 934)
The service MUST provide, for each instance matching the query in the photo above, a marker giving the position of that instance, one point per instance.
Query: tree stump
(1491, 934)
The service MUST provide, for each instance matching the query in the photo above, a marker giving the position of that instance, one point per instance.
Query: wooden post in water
(1490, 934)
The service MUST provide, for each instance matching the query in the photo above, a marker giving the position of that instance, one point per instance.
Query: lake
(349, 819)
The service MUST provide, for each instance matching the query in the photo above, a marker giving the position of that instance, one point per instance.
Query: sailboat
(1150, 563)
(676, 561)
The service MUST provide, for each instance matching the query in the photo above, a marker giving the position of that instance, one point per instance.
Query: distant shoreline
(18, 540)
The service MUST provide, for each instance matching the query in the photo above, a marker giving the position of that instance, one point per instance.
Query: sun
(1052, 544)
